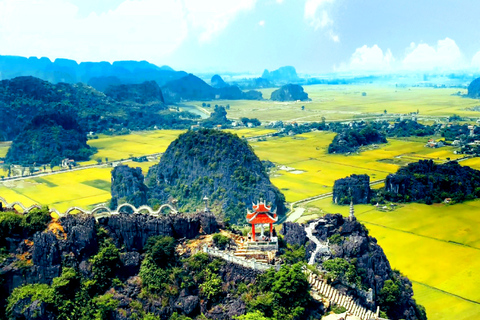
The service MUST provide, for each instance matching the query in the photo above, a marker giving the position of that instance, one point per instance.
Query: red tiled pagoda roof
(262, 214)
(259, 218)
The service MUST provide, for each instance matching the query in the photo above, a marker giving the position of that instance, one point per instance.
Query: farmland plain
(345, 102)
(305, 169)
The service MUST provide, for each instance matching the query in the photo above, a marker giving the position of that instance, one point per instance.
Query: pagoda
(261, 215)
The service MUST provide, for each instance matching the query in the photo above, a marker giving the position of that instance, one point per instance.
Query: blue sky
(315, 36)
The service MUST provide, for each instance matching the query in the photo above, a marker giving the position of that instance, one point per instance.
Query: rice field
(305, 168)
(437, 247)
(133, 145)
(4, 148)
(83, 188)
(345, 102)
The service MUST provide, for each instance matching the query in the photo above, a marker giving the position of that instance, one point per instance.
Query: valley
(427, 243)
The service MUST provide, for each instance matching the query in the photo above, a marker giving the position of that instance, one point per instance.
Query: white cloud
(135, 29)
(445, 55)
(212, 16)
(371, 59)
(52, 28)
(476, 60)
(261, 23)
(334, 37)
(316, 14)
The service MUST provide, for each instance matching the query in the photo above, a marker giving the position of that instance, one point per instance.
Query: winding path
(320, 245)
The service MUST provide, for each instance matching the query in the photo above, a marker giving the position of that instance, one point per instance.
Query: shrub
(161, 250)
(221, 241)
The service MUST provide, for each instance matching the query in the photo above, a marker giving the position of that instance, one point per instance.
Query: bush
(162, 251)
(340, 269)
(36, 220)
(10, 224)
(212, 286)
(293, 254)
(221, 241)
(31, 292)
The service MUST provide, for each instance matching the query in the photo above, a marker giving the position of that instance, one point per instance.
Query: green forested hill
(48, 137)
(23, 98)
(215, 164)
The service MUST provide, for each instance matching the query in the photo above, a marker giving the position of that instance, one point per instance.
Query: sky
(314, 36)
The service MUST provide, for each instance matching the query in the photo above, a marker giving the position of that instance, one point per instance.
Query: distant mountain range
(97, 74)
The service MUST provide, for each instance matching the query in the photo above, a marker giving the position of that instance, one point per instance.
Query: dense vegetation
(191, 87)
(350, 140)
(215, 164)
(24, 98)
(408, 128)
(289, 92)
(50, 138)
(427, 182)
(22, 226)
(146, 92)
(217, 118)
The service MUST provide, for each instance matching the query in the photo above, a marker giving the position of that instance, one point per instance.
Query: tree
(284, 294)
(212, 286)
(104, 264)
(161, 250)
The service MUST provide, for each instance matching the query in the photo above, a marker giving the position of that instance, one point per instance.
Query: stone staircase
(322, 289)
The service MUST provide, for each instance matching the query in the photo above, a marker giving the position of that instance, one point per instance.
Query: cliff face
(74, 239)
(355, 188)
(215, 164)
(349, 241)
(289, 92)
(127, 186)
(132, 231)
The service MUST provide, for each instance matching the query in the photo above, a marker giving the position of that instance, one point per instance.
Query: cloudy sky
(315, 36)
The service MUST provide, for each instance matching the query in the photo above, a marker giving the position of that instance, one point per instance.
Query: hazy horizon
(314, 36)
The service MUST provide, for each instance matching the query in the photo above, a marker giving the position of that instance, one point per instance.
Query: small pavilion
(261, 215)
